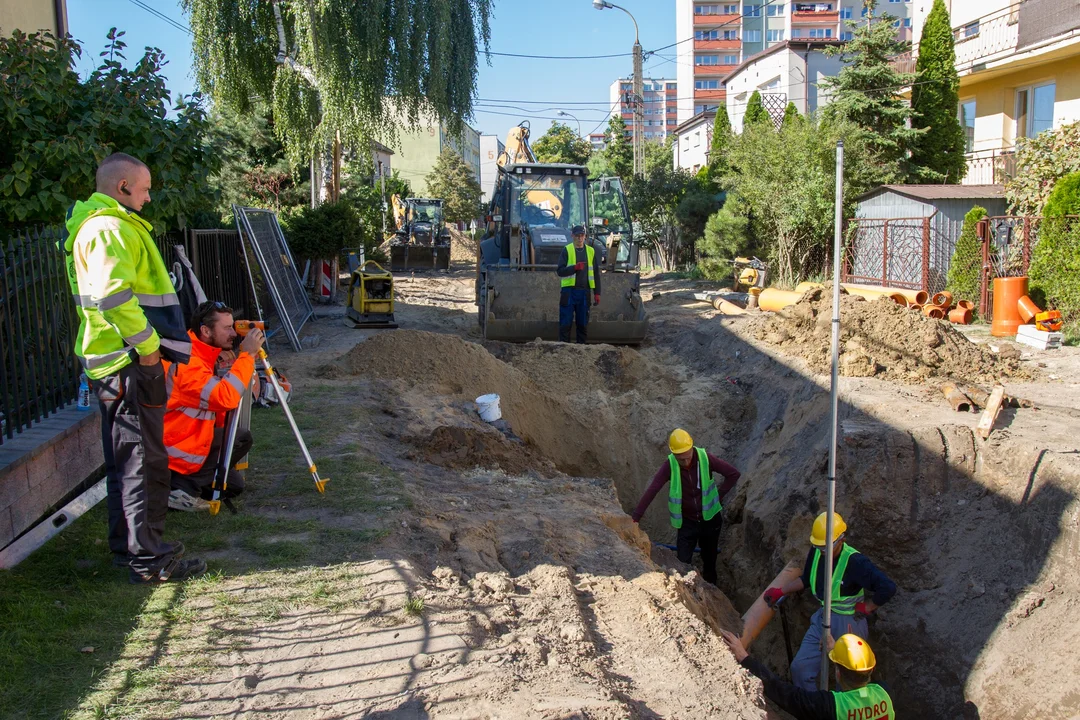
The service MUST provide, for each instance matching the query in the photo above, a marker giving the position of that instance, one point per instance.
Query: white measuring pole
(834, 395)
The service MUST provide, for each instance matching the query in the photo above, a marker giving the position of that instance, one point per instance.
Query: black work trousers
(201, 482)
(132, 405)
(706, 535)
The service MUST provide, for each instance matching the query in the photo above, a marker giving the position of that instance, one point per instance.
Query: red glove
(860, 609)
(580, 266)
(596, 299)
(773, 595)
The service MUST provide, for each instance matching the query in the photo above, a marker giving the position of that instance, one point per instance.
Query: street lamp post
(638, 100)
(563, 113)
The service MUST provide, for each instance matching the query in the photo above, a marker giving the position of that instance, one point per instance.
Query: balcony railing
(981, 40)
(812, 8)
(713, 20)
(990, 167)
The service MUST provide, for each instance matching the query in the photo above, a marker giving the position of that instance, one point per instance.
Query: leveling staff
(198, 401)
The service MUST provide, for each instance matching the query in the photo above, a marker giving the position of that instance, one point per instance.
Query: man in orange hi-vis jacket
(198, 401)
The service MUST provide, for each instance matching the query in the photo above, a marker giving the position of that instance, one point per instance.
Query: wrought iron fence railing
(909, 253)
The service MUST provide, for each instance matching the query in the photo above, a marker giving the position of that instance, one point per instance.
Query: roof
(550, 167)
(786, 45)
(696, 120)
(379, 147)
(941, 192)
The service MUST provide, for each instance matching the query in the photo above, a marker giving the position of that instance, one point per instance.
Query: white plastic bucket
(488, 407)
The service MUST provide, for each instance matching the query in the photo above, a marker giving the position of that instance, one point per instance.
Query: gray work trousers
(137, 474)
(806, 667)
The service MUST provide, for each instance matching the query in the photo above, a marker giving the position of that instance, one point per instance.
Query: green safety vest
(866, 703)
(842, 604)
(571, 260)
(710, 498)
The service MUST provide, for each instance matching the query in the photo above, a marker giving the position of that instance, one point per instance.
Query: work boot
(123, 560)
(180, 500)
(175, 569)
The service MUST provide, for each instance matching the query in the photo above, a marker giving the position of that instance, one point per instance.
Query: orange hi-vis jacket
(198, 401)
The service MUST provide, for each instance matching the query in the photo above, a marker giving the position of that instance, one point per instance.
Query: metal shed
(904, 235)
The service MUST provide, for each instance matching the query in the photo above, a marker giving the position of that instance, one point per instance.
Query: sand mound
(466, 447)
(880, 339)
(462, 247)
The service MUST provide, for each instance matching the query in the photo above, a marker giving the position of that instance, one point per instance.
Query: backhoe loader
(533, 208)
(421, 241)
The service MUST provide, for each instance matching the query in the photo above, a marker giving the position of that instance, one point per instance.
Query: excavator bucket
(520, 305)
(404, 258)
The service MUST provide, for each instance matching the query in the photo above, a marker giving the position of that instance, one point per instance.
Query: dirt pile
(880, 339)
(460, 447)
(462, 247)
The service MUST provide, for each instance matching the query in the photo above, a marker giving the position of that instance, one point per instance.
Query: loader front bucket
(521, 305)
(406, 258)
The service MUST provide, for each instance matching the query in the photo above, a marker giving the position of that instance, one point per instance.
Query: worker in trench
(858, 588)
(693, 499)
(858, 697)
(579, 273)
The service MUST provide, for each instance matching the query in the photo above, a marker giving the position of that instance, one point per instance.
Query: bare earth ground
(510, 582)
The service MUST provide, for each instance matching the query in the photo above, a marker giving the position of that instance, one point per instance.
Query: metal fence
(39, 373)
(910, 253)
(218, 259)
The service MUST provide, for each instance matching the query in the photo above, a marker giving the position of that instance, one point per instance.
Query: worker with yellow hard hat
(858, 588)
(693, 499)
(857, 697)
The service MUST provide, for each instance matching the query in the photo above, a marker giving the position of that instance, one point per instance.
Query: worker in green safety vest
(858, 588)
(579, 285)
(858, 697)
(693, 499)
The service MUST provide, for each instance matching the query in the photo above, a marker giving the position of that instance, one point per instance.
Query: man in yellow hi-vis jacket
(129, 318)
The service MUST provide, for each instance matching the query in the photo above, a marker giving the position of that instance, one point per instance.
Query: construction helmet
(817, 535)
(854, 653)
(680, 441)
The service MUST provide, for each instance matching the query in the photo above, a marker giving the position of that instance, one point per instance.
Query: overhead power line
(162, 16)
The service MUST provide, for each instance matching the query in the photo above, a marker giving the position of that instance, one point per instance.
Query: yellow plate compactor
(371, 298)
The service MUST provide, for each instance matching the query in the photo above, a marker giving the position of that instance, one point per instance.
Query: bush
(321, 232)
(725, 238)
(1055, 259)
(1040, 161)
(965, 267)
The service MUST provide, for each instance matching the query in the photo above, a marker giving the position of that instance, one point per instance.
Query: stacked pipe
(938, 307)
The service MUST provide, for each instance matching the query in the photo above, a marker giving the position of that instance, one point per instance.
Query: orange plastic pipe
(943, 299)
(965, 304)
(915, 306)
(960, 316)
(758, 616)
(1007, 294)
(1027, 309)
(913, 296)
(899, 299)
(776, 300)
(935, 312)
(807, 285)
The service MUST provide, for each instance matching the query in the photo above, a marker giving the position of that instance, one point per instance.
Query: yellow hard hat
(680, 441)
(854, 653)
(817, 535)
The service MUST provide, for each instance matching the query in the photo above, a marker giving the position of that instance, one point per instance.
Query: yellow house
(33, 15)
(1019, 69)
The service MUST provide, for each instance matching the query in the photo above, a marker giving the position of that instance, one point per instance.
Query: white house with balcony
(1019, 69)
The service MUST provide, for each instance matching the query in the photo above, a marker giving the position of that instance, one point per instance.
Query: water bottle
(84, 393)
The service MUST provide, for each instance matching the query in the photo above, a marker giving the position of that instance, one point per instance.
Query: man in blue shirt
(579, 273)
(858, 589)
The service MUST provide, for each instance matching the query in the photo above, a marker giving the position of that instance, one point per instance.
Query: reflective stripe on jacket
(841, 604)
(710, 496)
(571, 260)
(122, 291)
(198, 401)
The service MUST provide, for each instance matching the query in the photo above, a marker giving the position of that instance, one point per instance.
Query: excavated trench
(980, 537)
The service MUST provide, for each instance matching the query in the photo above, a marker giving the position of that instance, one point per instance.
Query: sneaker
(175, 569)
(180, 500)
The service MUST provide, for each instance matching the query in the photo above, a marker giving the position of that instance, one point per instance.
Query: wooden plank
(986, 422)
(41, 533)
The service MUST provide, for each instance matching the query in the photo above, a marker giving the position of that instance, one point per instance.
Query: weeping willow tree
(341, 70)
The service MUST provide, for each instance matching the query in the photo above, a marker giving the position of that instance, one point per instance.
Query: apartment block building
(715, 37)
(491, 147)
(660, 95)
(420, 149)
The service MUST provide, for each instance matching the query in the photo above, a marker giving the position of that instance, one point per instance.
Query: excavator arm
(517, 148)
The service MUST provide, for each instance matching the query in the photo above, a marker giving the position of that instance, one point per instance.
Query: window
(707, 34)
(863, 13)
(820, 32)
(967, 121)
(705, 10)
(774, 35)
(731, 59)
(751, 10)
(706, 84)
(707, 60)
(1035, 109)
(626, 87)
(731, 9)
(672, 86)
(847, 35)
(774, 10)
(907, 22)
(730, 34)
(845, 13)
(969, 30)
(752, 36)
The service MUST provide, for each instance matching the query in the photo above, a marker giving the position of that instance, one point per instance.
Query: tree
(1055, 261)
(1042, 160)
(756, 114)
(340, 69)
(560, 144)
(721, 137)
(938, 154)
(725, 238)
(56, 130)
(867, 89)
(618, 152)
(791, 115)
(453, 181)
(965, 266)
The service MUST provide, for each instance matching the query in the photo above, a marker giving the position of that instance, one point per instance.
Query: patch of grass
(413, 606)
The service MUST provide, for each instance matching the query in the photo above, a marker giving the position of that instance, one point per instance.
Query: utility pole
(638, 99)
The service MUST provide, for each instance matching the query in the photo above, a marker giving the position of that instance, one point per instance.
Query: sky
(509, 89)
